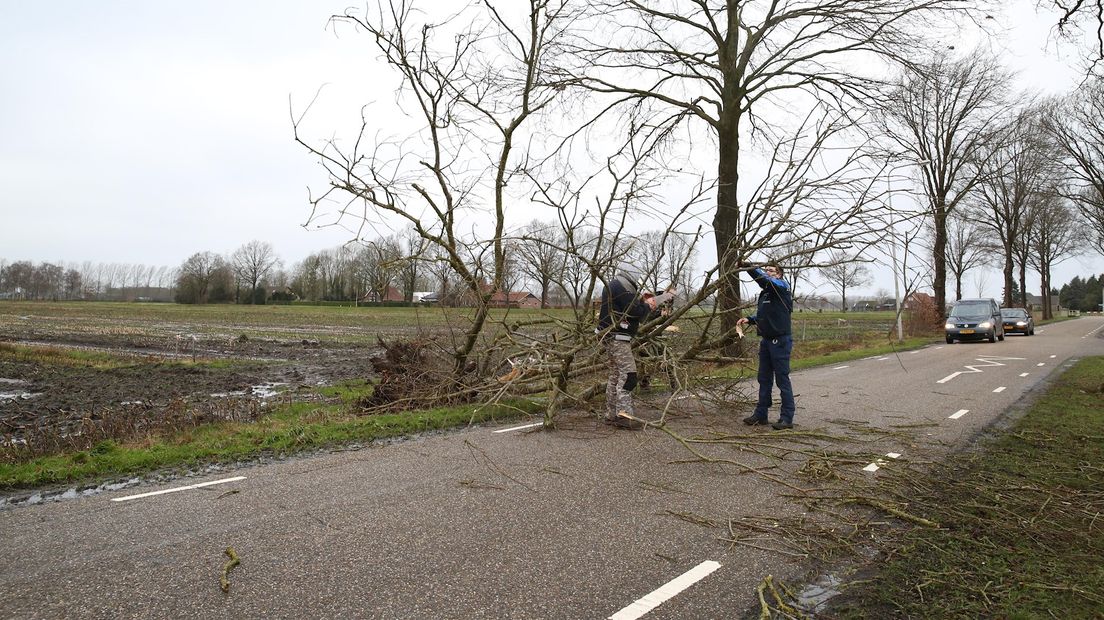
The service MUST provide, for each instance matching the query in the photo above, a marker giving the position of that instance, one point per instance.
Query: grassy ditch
(290, 428)
(1021, 523)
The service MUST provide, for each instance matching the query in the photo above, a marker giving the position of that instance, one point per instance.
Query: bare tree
(1078, 16)
(1015, 166)
(966, 248)
(729, 64)
(376, 267)
(542, 257)
(945, 113)
(1078, 130)
(474, 82)
(197, 275)
(1055, 237)
(413, 248)
(843, 273)
(252, 262)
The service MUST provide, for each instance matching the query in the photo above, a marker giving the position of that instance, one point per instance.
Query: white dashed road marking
(999, 390)
(840, 367)
(666, 592)
(1053, 356)
(1024, 374)
(958, 414)
(518, 428)
(878, 464)
(1041, 364)
(190, 486)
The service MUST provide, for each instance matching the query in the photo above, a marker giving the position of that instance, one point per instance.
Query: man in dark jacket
(772, 319)
(623, 309)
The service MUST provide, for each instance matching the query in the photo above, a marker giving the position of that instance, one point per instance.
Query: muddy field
(60, 363)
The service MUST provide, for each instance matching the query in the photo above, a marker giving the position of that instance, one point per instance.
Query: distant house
(391, 294)
(514, 299)
(1035, 303)
(425, 297)
(917, 301)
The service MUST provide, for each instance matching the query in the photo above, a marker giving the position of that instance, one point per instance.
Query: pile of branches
(413, 374)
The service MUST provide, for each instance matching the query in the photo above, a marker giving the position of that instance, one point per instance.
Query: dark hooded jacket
(622, 308)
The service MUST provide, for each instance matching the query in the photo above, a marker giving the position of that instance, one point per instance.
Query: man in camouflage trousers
(623, 309)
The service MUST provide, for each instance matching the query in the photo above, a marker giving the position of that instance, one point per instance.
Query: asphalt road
(580, 522)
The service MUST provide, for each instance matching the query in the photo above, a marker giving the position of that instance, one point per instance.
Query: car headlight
(1021, 324)
(949, 326)
(985, 325)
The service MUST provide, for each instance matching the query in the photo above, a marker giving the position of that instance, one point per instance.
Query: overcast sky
(143, 132)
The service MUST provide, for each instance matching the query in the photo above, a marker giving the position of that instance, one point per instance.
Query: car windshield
(1013, 313)
(971, 311)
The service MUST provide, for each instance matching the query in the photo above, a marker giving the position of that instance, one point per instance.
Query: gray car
(1018, 321)
(974, 319)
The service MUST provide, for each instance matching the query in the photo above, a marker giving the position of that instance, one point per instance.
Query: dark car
(974, 319)
(1017, 321)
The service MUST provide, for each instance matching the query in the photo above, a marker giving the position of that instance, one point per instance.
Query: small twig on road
(224, 579)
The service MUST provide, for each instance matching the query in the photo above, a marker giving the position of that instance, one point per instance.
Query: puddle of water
(262, 391)
(267, 390)
(815, 595)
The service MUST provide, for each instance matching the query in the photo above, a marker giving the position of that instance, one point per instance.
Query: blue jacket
(622, 308)
(772, 313)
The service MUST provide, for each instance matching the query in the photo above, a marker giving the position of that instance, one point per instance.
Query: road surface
(581, 522)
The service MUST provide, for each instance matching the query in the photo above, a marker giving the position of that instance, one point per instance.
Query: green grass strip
(294, 428)
(1022, 521)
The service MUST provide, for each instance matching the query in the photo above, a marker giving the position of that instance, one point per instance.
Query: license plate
(965, 331)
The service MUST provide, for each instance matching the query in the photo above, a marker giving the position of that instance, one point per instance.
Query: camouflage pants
(622, 376)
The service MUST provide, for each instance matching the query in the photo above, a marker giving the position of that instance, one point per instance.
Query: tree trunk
(1044, 277)
(726, 224)
(939, 258)
(1008, 283)
(1023, 285)
(726, 220)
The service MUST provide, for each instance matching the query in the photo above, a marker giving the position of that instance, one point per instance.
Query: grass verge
(1021, 523)
(291, 428)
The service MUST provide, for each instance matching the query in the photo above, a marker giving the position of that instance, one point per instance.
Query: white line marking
(949, 377)
(958, 414)
(667, 591)
(190, 486)
(999, 390)
(1024, 374)
(939, 347)
(914, 352)
(1053, 356)
(882, 359)
(1041, 364)
(518, 428)
(840, 367)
